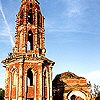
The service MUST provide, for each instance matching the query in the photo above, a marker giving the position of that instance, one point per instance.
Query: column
(17, 86)
(34, 79)
(6, 84)
(43, 35)
(20, 81)
(50, 82)
(39, 82)
(25, 91)
(10, 87)
(47, 78)
(25, 29)
(35, 34)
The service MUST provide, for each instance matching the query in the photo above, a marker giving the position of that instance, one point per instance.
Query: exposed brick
(26, 65)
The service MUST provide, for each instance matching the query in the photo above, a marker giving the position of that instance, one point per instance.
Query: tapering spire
(23, 1)
(30, 29)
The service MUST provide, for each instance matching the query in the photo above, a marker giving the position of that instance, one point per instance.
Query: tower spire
(30, 29)
(23, 1)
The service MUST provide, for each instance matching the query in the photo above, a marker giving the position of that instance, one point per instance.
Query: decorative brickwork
(28, 71)
(68, 86)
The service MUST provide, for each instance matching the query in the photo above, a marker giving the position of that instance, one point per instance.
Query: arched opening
(30, 85)
(30, 40)
(31, 5)
(29, 77)
(30, 16)
(73, 97)
(76, 95)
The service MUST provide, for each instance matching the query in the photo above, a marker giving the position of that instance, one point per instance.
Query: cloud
(6, 23)
(4, 31)
(93, 77)
(2, 77)
(74, 8)
(4, 36)
(73, 12)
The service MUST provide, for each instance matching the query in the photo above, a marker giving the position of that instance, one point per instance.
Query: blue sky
(72, 31)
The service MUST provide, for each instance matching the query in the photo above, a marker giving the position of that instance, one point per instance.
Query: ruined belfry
(28, 71)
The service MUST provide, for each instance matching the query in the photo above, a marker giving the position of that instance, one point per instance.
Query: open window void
(30, 17)
(30, 77)
(30, 40)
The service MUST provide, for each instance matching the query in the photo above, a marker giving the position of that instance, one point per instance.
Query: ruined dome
(68, 75)
(71, 75)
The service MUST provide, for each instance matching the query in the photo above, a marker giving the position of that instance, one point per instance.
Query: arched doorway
(76, 95)
(30, 85)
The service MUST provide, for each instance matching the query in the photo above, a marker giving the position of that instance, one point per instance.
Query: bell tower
(30, 29)
(28, 71)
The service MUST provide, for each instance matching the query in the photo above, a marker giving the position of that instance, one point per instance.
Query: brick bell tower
(28, 71)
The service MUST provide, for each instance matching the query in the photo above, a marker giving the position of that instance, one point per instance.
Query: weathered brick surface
(27, 65)
(67, 84)
(31, 92)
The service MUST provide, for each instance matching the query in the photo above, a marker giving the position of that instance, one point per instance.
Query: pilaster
(39, 82)
(25, 87)
(7, 84)
(20, 87)
(50, 82)
(25, 29)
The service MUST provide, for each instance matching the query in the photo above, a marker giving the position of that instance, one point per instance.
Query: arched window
(31, 5)
(29, 77)
(30, 17)
(30, 40)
